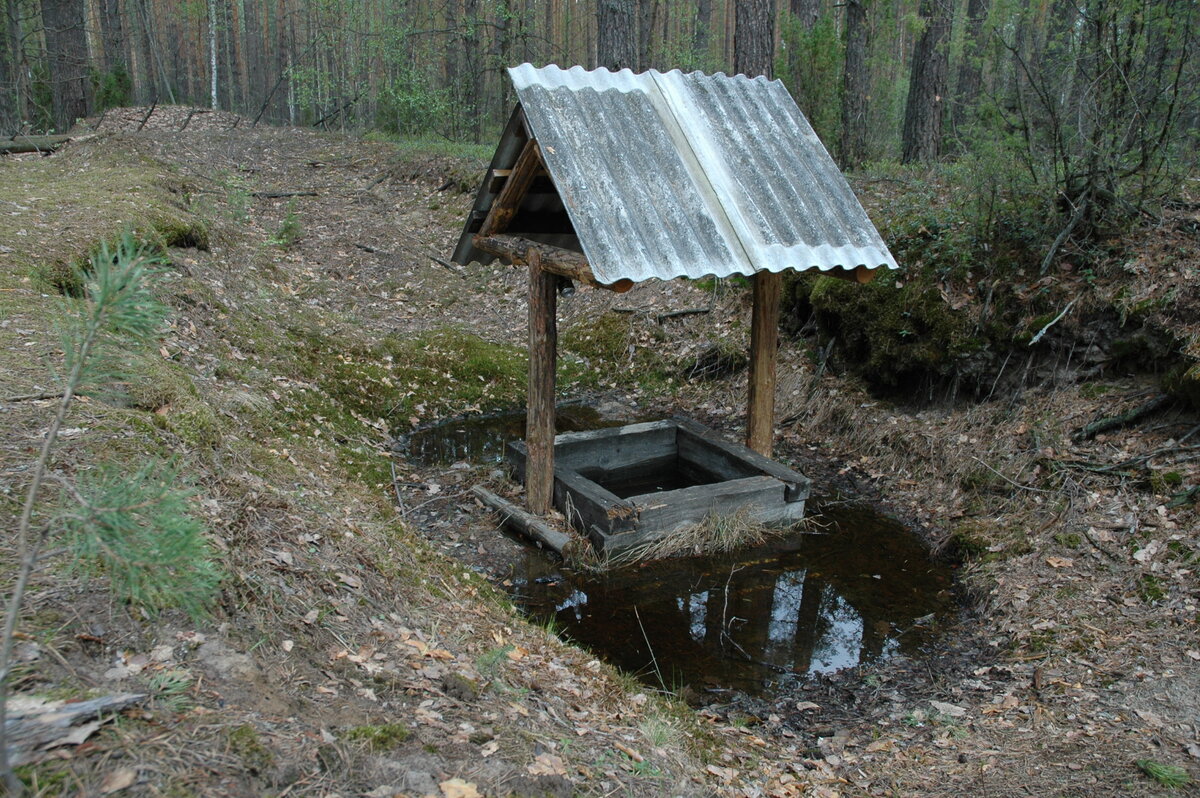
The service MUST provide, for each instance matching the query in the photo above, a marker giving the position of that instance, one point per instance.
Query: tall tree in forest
(922, 134)
(970, 68)
(856, 82)
(701, 32)
(67, 60)
(754, 37)
(616, 35)
(9, 118)
(212, 53)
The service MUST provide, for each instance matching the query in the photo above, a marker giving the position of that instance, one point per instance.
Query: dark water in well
(863, 591)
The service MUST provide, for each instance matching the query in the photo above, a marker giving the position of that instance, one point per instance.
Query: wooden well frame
(723, 478)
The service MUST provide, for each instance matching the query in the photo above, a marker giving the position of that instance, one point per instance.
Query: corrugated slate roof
(671, 174)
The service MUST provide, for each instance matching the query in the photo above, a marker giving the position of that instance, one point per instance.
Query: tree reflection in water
(863, 591)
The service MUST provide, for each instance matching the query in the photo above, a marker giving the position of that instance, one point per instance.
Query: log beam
(539, 419)
(22, 144)
(764, 345)
(521, 252)
(508, 201)
(859, 274)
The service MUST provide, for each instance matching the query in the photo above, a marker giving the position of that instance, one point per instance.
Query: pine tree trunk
(616, 38)
(112, 29)
(212, 53)
(807, 11)
(67, 60)
(702, 32)
(9, 118)
(970, 70)
(754, 37)
(855, 85)
(922, 136)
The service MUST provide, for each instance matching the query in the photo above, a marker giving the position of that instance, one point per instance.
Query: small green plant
(137, 530)
(170, 689)
(290, 230)
(1170, 776)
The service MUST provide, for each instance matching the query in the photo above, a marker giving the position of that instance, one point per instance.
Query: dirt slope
(358, 649)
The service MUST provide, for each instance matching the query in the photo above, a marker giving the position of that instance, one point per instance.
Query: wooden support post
(539, 419)
(764, 336)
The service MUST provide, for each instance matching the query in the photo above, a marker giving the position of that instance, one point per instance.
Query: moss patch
(82, 196)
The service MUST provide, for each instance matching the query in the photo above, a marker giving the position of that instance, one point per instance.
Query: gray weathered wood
(731, 460)
(764, 335)
(518, 520)
(539, 421)
(43, 725)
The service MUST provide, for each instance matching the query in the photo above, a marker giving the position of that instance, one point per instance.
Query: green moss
(893, 337)
(613, 341)
(1151, 589)
(117, 191)
(166, 390)
(1071, 540)
(383, 737)
(245, 744)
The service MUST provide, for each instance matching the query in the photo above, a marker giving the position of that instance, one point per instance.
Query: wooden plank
(732, 461)
(508, 201)
(539, 420)
(616, 448)
(583, 502)
(520, 251)
(679, 508)
(518, 520)
(764, 334)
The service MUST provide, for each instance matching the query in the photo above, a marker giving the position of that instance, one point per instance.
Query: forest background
(1091, 104)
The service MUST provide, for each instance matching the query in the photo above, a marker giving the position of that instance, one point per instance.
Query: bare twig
(1052, 322)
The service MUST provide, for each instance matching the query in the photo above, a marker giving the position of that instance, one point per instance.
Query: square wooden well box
(626, 486)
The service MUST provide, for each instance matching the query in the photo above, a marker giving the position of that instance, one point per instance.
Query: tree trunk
(212, 53)
(67, 60)
(970, 70)
(9, 98)
(616, 39)
(754, 37)
(855, 85)
(922, 135)
(702, 32)
(807, 11)
(112, 30)
(645, 31)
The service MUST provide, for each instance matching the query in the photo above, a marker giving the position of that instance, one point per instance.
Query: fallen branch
(1080, 205)
(661, 317)
(1052, 322)
(518, 520)
(282, 194)
(23, 144)
(1122, 420)
(37, 725)
(33, 397)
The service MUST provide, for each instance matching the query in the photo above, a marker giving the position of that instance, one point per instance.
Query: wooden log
(539, 420)
(518, 520)
(764, 335)
(518, 251)
(22, 144)
(508, 201)
(36, 725)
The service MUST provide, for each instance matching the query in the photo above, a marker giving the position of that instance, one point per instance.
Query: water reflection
(814, 604)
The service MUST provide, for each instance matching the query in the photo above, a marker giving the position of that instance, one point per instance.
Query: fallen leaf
(117, 780)
(350, 579)
(805, 706)
(547, 765)
(288, 645)
(457, 788)
(1061, 562)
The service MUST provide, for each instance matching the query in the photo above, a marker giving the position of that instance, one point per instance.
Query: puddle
(481, 439)
(863, 591)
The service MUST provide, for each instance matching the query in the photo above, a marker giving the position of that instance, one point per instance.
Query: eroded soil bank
(359, 646)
